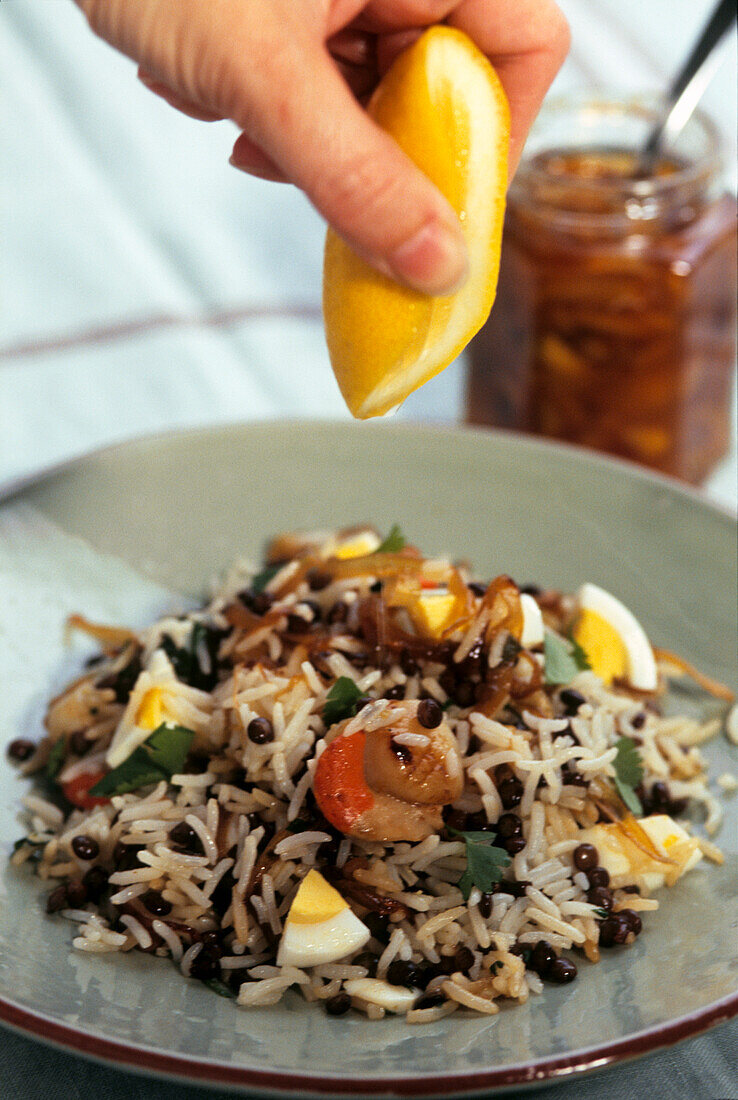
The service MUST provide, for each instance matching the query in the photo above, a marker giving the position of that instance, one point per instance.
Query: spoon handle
(691, 80)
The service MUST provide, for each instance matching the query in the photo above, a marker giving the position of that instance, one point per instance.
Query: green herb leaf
(601, 913)
(159, 757)
(563, 660)
(484, 862)
(220, 988)
(341, 701)
(56, 759)
(394, 541)
(186, 662)
(261, 580)
(628, 773)
(579, 655)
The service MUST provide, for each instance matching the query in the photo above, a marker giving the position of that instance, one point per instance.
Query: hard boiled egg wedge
(613, 640)
(532, 622)
(320, 926)
(627, 864)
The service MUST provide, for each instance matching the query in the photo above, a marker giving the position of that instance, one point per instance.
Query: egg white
(323, 942)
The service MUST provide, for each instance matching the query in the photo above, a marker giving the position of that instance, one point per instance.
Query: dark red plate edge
(146, 1060)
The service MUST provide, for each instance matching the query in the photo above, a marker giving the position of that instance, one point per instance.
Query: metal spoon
(688, 86)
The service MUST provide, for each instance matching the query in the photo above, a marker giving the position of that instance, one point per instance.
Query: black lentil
(572, 701)
(638, 721)
(57, 900)
(614, 930)
(456, 819)
(485, 904)
(156, 904)
(396, 692)
(511, 793)
(598, 876)
(509, 825)
(185, 837)
(429, 714)
(205, 965)
(585, 857)
(76, 893)
(514, 844)
(430, 1000)
(517, 889)
(601, 897)
(463, 959)
(318, 579)
(408, 664)
(260, 731)
(465, 693)
(542, 958)
(367, 960)
(561, 971)
(377, 925)
(633, 921)
(338, 1005)
(404, 973)
(85, 847)
(96, 882)
(20, 749)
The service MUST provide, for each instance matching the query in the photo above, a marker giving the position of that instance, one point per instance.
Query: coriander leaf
(473, 836)
(628, 773)
(394, 541)
(563, 660)
(56, 759)
(484, 862)
(261, 580)
(168, 747)
(579, 655)
(159, 757)
(341, 701)
(601, 913)
(186, 661)
(220, 988)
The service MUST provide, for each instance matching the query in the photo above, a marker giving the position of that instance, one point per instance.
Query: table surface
(147, 285)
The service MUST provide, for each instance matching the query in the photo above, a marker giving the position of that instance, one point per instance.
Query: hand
(293, 75)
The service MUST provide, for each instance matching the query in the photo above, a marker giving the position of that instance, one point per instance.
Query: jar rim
(645, 105)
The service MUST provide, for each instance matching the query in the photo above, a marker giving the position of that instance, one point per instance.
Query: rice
(203, 862)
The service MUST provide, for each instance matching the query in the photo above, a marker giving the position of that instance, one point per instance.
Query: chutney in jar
(614, 324)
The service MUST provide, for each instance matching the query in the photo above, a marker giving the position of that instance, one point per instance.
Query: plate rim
(149, 1060)
(146, 1059)
(21, 483)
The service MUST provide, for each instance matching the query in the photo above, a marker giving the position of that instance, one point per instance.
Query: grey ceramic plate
(118, 534)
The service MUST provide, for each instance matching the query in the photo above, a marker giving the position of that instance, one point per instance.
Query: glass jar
(614, 324)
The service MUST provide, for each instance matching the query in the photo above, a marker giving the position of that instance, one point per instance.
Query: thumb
(355, 174)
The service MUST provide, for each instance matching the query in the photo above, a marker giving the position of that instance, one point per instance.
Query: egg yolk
(602, 644)
(150, 713)
(315, 901)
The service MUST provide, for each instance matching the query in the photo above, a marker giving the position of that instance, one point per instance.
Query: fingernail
(433, 261)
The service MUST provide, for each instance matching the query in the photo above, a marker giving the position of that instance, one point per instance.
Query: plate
(136, 529)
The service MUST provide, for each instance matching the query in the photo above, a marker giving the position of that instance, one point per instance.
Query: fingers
(354, 173)
(526, 41)
(186, 106)
(248, 157)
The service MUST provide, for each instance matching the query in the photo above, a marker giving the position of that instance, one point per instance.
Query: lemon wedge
(444, 105)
